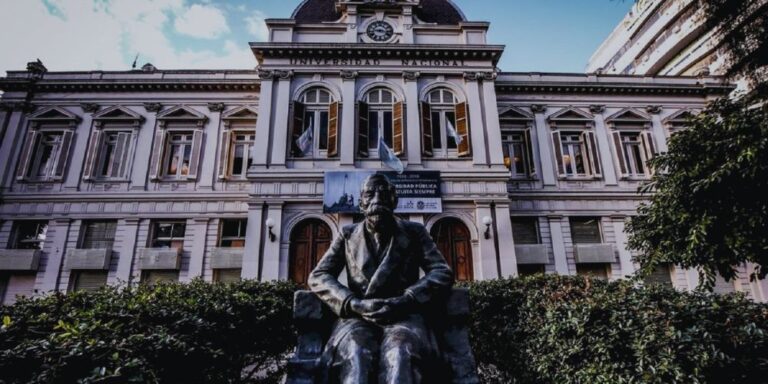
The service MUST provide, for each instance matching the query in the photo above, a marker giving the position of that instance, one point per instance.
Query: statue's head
(378, 198)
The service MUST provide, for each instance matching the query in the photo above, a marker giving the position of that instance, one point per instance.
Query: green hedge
(176, 333)
(535, 330)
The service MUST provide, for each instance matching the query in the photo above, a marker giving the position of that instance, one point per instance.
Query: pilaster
(625, 257)
(55, 247)
(558, 245)
(347, 139)
(80, 147)
(604, 147)
(12, 144)
(658, 127)
(213, 132)
(545, 148)
(282, 119)
(492, 125)
(129, 229)
(264, 123)
(476, 123)
(486, 267)
(253, 239)
(507, 256)
(197, 254)
(271, 269)
(140, 171)
(413, 120)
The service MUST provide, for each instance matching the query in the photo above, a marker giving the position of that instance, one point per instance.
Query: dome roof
(431, 11)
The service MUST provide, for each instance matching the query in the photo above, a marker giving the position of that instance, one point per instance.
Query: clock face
(380, 31)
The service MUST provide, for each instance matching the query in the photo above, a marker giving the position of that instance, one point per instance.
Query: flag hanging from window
(453, 133)
(304, 142)
(388, 157)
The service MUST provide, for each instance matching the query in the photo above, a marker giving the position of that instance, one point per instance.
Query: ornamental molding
(349, 75)
(284, 75)
(480, 76)
(597, 109)
(654, 109)
(507, 87)
(538, 108)
(216, 107)
(17, 106)
(411, 75)
(90, 107)
(153, 107)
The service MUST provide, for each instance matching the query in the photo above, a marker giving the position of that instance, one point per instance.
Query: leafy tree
(708, 204)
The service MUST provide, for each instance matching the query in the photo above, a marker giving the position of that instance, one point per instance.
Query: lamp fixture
(271, 224)
(487, 221)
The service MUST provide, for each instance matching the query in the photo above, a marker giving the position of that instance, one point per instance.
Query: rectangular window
(114, 155)
(179, 155)
(517, 155)
(98, 235)
(28, 235)
(662, 275)
(574, 154)
(585, 230)
(168, 234)
(233, 233)
(227, 275)
(595, 271)
(88, 281)
(634, 154)
(242, 146)
(380, 126)
(443, 131)
(46, 155)
(525, 230)
(159, 276)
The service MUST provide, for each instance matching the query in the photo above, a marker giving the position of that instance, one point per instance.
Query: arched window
(380, 117)
(315, 125)
(445, 125)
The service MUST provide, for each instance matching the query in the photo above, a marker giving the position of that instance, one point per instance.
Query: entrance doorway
(453, 241)
(310, 239)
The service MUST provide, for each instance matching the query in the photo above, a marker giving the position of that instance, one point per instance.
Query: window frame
(153, 238)
(168, 154)
(85, 227)
(317, 109)
(55, 157)
(536, 227)
(442, 107)
(14, 241)
(586, 219)
(385, 113)
(126, 160)
(242, 231)
(250, 145)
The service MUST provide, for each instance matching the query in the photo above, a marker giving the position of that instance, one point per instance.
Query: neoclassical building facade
(153, 175)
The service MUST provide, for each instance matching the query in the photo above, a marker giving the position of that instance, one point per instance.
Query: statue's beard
(378, 215)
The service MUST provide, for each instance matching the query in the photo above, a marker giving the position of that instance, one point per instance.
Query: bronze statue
(380, 335)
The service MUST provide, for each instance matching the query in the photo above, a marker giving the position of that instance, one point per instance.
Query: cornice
(122, 85)
(511, 87)
(389, 51)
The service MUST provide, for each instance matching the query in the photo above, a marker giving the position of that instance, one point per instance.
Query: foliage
(709, 207)
(742, 26)
(175, 333)
(572, 330)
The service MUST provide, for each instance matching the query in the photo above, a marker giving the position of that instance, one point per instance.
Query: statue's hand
(366, 307)
(392, 310)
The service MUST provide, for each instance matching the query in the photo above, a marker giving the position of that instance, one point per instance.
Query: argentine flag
(388, 157)
(305, 141)
(452, 132)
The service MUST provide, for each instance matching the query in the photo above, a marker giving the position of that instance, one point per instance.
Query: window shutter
(529, 152)
(426, 129)
(298, 127)
(362, 129)
(156, 160)
(333, 129)
(462, 128)
(620, 156)
(593, 153)
(92, 155)
(121, 153)
(398, 131)
(226, 148)
(649, 146)
(61, 164)
(558, 153)
(26, 154)
(89, 281)
(194, 159)
(127, 158)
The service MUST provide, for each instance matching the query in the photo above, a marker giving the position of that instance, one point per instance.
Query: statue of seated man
(380, 335)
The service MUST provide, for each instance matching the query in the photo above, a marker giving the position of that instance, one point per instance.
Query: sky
(540, 35)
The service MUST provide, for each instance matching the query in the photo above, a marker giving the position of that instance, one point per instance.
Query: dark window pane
(237, 160)
(450, 117)
(227, 275)
(387, 123)
(373, 129)
(661, 275)
(437, 140)
(29, 234)
(597, 271)
(585, 230)
(88, 281)
(99, 234)
(323, 143)
(525, 230)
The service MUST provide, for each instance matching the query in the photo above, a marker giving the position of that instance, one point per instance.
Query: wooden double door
(454, 242)
(309, 242)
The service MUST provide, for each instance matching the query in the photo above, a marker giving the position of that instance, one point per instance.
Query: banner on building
(418, 191)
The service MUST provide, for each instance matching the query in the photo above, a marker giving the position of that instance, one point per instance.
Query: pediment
(54, 114)
(681, 117)
(117, 112)
(514, 113)
(628, 115)
(181, 112)
(241, 113)
(571, 114)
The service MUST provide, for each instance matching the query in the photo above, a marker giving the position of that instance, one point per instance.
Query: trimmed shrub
(573, 330)
(172, 333)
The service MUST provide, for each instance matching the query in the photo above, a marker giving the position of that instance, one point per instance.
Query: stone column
(15, 134)
(413, 117)
(54, 248)
(604, 147)
(271, 269)
(143, 153)
(210, 155)
(197, 253)
(253, 239)
(625, 257)
(492, 125)
(544, 144)
(129, 230)
(80, 147)
(282, 120)
(349, 118)
(658, 128)
(264, 123)
(486, 265)
(476, 124)
(507, 256)
(558, 245)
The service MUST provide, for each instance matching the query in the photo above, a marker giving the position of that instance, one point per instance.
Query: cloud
(257, 26)
(107, 34)
(202, 21)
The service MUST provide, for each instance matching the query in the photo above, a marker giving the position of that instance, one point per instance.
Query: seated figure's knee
(400, 346)
(359, 344)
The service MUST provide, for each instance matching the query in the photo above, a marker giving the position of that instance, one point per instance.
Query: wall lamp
(487, 221)
(271, 224)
